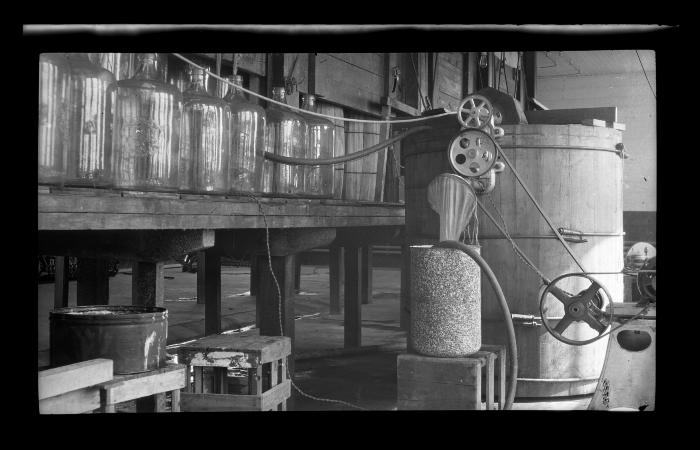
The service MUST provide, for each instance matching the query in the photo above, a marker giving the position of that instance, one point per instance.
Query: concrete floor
(323, 369)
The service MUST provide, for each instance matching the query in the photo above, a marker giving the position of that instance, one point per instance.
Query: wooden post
(366, 275)
(384, 134)
(200, 278)
(147, 284)
(210, 264)
(335, 273)
(353, 310)
(151, 404)
(93, 282)
(297, 274)
(60, 296)
(470, 76)
(267, 299)
(253, 275)
(530, 76)
(405, 300)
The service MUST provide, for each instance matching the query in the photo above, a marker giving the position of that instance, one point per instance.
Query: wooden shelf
(106, 209)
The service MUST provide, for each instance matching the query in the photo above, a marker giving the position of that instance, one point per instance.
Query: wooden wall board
(354, 80)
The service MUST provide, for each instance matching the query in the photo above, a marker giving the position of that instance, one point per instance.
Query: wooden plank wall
(354, 80)
(449, 74)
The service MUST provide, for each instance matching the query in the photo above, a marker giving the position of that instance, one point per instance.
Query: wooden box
(429, 383)
(262, 360)
(148, 388)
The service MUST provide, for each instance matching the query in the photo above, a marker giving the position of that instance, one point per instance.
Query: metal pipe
(345, 158)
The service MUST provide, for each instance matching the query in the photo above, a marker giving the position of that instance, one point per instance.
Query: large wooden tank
(575, 174)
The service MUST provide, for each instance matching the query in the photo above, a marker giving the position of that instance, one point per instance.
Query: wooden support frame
(267, 298)
(366, 275)
(210, 266)
(530, 77)
(335, 273)
(352, 300)
(147, 283)
(93, 282)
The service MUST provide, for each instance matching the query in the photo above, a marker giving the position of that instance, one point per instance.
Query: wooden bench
(430, 383)
(236, 373)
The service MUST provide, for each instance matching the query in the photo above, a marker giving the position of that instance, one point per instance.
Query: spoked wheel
(475, 111)
(586, 306)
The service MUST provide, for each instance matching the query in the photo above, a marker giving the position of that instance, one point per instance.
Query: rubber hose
(341, 159)
(512, 346)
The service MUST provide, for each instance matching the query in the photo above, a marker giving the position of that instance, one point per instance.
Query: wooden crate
(429, 383)
(150, 386)
(261, 359)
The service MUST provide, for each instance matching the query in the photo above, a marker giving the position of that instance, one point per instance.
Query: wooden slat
(569, 116)
(234, 351)
(74, 402)
(219, 402)
(276, 395)
(68, 378)
(352, 80)
(131, 387)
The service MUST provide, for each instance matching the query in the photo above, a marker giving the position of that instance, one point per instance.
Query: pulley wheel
(475, 111)
(472, 153)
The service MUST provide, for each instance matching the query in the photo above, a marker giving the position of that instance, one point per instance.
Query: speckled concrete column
(445, 302)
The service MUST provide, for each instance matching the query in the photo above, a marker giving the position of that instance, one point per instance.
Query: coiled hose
(512, 347)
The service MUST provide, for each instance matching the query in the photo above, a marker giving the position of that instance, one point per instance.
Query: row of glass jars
(142, 133)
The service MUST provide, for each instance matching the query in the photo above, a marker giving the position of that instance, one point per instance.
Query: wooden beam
(297, 274)
(359, 236)
(201, 279)
(60, 293)
(400, 106)
(93, 282)
(469, 80)
(211, 265)
(384, 134)
(366, 275)
(572, 116)
(147, 284)
(71, 377)
(353, 310)
(311, 73)
(530, 76)
(139, 245)
(267, 301)
(335, 273)
(253, 275)
(295, 240)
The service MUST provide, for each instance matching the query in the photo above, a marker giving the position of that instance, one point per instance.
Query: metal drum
(134, 337)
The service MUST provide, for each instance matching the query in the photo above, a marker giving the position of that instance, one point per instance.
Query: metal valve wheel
(475, 111)
(586, 306)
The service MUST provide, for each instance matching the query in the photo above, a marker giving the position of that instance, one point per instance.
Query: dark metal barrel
(134, 337)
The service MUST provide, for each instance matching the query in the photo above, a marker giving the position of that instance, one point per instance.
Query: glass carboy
(122, 65)
(146, 142)
(247, 140)
(286, 136)
(318, 180)
(205, 138)
(92, 90)
(54, 82)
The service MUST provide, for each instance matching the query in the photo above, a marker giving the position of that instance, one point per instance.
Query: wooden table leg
(297, 274)
(335, 270)
(147, 284)
(210, 263)
(366, 275)
(267, 299)
(152, 403)
(353, 310)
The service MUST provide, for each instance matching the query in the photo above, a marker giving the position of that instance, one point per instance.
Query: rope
(279, 312)
(312, 113)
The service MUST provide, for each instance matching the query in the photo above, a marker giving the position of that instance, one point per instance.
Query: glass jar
(92, 91)
(205, 138)
(318, 180)
(286, 136)
(146, 132)
(122, 65)
(54, 92)
(248, 122)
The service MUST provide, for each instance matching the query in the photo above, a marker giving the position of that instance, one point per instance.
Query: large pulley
(473, 152)
(587, 306)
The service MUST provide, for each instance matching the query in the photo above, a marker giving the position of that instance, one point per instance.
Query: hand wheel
(586, 306)
(475, 111)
